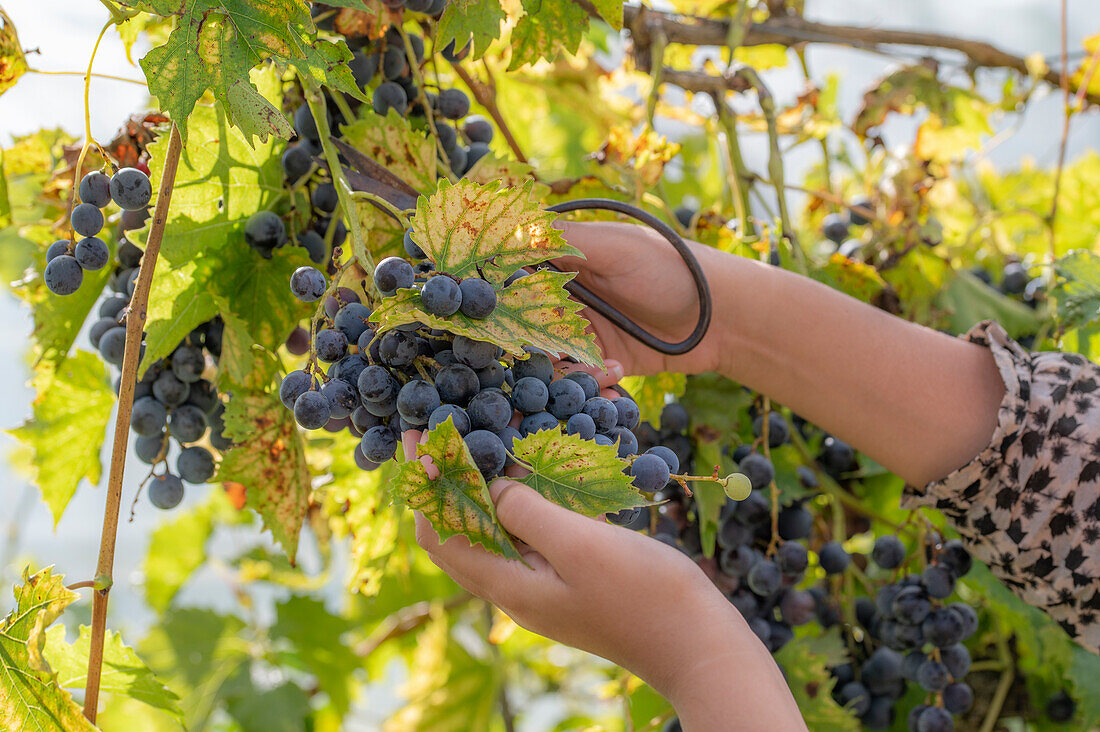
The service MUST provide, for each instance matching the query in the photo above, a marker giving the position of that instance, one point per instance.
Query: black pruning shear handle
(368, 176)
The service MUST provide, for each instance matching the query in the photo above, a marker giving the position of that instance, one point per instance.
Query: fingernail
(616, 369)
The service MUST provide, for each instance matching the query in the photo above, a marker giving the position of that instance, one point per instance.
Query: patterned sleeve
(1029, 504)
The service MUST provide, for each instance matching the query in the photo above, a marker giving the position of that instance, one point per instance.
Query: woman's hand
(634, 269)
(637, 602)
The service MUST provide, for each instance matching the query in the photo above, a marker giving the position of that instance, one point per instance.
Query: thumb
(553, 531)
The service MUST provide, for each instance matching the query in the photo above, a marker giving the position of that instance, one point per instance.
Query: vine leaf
(13, 63)
(391, 142)
(65, 434)
(457, 502)
(508, 173)
(534, 310)
(317, 637)
(464, 226)
(269, 460)
(1077, 289)
(216, 43)
(579, 474)
(205, 266)
(470, 21)
(123, 672)
(30, 697)
(547, 28)
(649, 392)
(808, 662)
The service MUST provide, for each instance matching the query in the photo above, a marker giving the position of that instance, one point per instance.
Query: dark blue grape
(457, 414)
(307, 284)
(453, 104)
(379, 444)
(888, 552)
(765, 577)
(411, 247)
(778, 430)
(363, 420)
(738, 561)
(943, 627)
(537, 365)
(958, 698)
(587, 382)
(331, 345)
(441, 296)
(398, 348)
(478, 129)
(629, 415)
(933, 675)
(95, 189)
(293, 386)
(1061, 707)
(795, 523)
(759, 470)
(393, 274)
(487, 451)
(416, 401)
(297, 161)
(264, 231)
(911, 664)
(837, 457)
(149, 448)
(835, 227)
(492, 376)
(101, 326)
(565, 398)
(967, 616)
(649, 472)
(187, 424)
(581, 425)
(165, 491)
(478, 298)
(855, 697)
(324, 198)
(354, 320)
(674, 418)
(955, 557)
(603, 413)
(490, 410)
(538, 422)
(792, 558)
(627, 442)
(911, 605)
(92, 253)
(86, 219)
(389, 96)
(148, 417)
(195, 464)
(957, 660)
(63, 275)
(881, 713)
(938, 580)
(457, 384)
(170, 390)
(311, 410)
(667, 455)
(530, 395)
(375, 384)
(475, 354)
(475, 152)
(342, 398)
(833, 558)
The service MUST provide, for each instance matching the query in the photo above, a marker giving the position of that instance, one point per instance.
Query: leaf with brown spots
(467, 226)
(214, 46)
(457, 502)
(391, 142)
(534, 311)
(269, 460)
(579, 474)
(13, 63)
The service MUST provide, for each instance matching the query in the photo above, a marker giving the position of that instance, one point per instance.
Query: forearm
(919, 402)
(735, 684)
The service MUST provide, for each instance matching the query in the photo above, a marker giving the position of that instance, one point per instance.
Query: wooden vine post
(135, 327)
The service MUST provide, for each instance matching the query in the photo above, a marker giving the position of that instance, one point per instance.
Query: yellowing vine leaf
(269, 460)
(391, 142)
(13, 63)
(123, 672)
(579, 474)
(215, 45)
(30, 697)
(68, 427)
(466, 225)
(534, 310)
(457, 502)
(546, 28)
(470, 21)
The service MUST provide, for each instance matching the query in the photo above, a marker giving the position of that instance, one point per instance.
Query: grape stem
(135, 325)
(486, 96)
(422, 95)
(316, 103)
(401, 216)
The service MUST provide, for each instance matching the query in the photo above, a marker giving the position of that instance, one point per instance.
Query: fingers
(409, 440)
(503, 582)
(555, 532)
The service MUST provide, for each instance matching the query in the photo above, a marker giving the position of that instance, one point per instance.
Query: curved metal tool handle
(594, 301)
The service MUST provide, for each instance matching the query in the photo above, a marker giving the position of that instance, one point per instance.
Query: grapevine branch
(135, 326)
(792, 31)
(486, 97)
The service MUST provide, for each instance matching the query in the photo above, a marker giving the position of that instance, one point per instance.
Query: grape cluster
(413, 377)
(176, 400)
(66, 262)
(1016, 283)
(837, 226)
(909, 633)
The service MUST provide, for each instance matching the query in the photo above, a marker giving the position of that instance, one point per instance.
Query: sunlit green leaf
(319, 647)
(470, 21)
